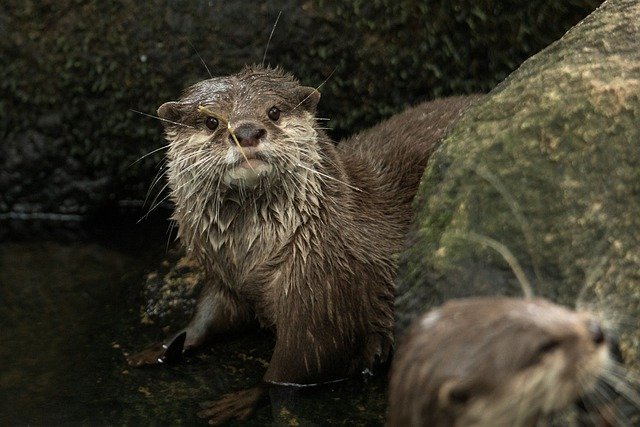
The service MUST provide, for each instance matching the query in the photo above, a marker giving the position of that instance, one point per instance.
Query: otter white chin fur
(294, 234)
(494, 362)
(247, 174)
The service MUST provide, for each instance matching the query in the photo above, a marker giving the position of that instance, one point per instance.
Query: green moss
(73, 70)
(547, 165)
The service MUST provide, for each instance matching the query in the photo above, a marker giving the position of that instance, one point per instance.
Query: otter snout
(595, 332)
(248, 135)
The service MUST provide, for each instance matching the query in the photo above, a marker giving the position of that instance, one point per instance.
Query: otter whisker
(618, 378)
(323, 175)
(153, 208)
(508, 256)
(195, 165)
(164, 187)
(189, 169)
(620, 371)
(156, 180)
(211, 183)
(191, 154)
(297, 183)
(317, 88)
(190, 172)
(266, 49)
(162, 119)
(527, 232)
(201, 60)
(609, 407)
(217, 200)
(600, 397)
(310, 154)
(191, 183)
(164, 147)
(172, 225)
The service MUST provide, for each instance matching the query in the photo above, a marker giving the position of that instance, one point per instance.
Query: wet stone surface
(170, 292)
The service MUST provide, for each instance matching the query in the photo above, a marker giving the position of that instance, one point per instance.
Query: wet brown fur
(311, 257)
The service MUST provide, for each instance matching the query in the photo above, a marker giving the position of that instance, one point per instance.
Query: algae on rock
(548, 164)
(72, 71)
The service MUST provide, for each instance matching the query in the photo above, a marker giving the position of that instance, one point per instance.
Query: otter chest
(240, 243)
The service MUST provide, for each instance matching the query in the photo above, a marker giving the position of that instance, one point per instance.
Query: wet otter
(293, 233)
(494, 362)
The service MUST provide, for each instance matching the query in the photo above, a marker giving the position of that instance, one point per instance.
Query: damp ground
(70, 310)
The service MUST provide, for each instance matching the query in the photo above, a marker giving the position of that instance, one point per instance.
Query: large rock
(71, 71)
(548, 166)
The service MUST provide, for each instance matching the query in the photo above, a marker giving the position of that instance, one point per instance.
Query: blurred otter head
(495, 362)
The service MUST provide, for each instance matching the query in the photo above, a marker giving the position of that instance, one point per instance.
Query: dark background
(73, 70)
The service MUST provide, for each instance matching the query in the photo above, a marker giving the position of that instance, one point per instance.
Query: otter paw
(159, 353)
(239, 405)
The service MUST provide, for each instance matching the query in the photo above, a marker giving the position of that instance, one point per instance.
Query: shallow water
(70, 312)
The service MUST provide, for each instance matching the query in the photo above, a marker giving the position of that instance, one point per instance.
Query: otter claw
(173, 351)
(160, 353)
(239, 405)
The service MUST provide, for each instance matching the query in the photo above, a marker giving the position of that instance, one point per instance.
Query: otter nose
(248, 135)
(595, 331)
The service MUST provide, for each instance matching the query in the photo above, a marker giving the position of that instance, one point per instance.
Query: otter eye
(548, 347)
(459, 397)
(211, 123)
(454, 393)
(540, 352)
(274, 113)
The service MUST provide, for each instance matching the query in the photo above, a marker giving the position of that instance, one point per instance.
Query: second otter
(488, 362)
(294, 234)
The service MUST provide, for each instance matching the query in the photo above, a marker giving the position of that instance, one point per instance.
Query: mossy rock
(169, 293)
(73, 71)
(548, 165)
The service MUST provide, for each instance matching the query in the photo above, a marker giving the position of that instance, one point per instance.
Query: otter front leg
(299, 358)
(217, 311)
(285, 367)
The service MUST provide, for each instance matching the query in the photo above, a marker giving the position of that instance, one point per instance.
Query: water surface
(70, 312)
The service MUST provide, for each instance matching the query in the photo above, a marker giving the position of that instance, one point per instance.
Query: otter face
(548, 357)
(241, 130)
(496, 362)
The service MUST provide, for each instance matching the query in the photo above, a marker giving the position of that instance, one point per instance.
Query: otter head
(239, 131)
(496, 362)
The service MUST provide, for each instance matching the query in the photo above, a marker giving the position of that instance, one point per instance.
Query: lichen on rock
(548, 164)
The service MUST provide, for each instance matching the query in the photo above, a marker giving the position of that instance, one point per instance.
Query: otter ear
(169, 112)
(453, 394)
(308, 97)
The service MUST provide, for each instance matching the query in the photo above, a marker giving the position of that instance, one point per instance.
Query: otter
(495, 362)
(294, 233)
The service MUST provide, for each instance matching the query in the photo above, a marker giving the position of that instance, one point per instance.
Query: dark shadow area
(70, 309)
